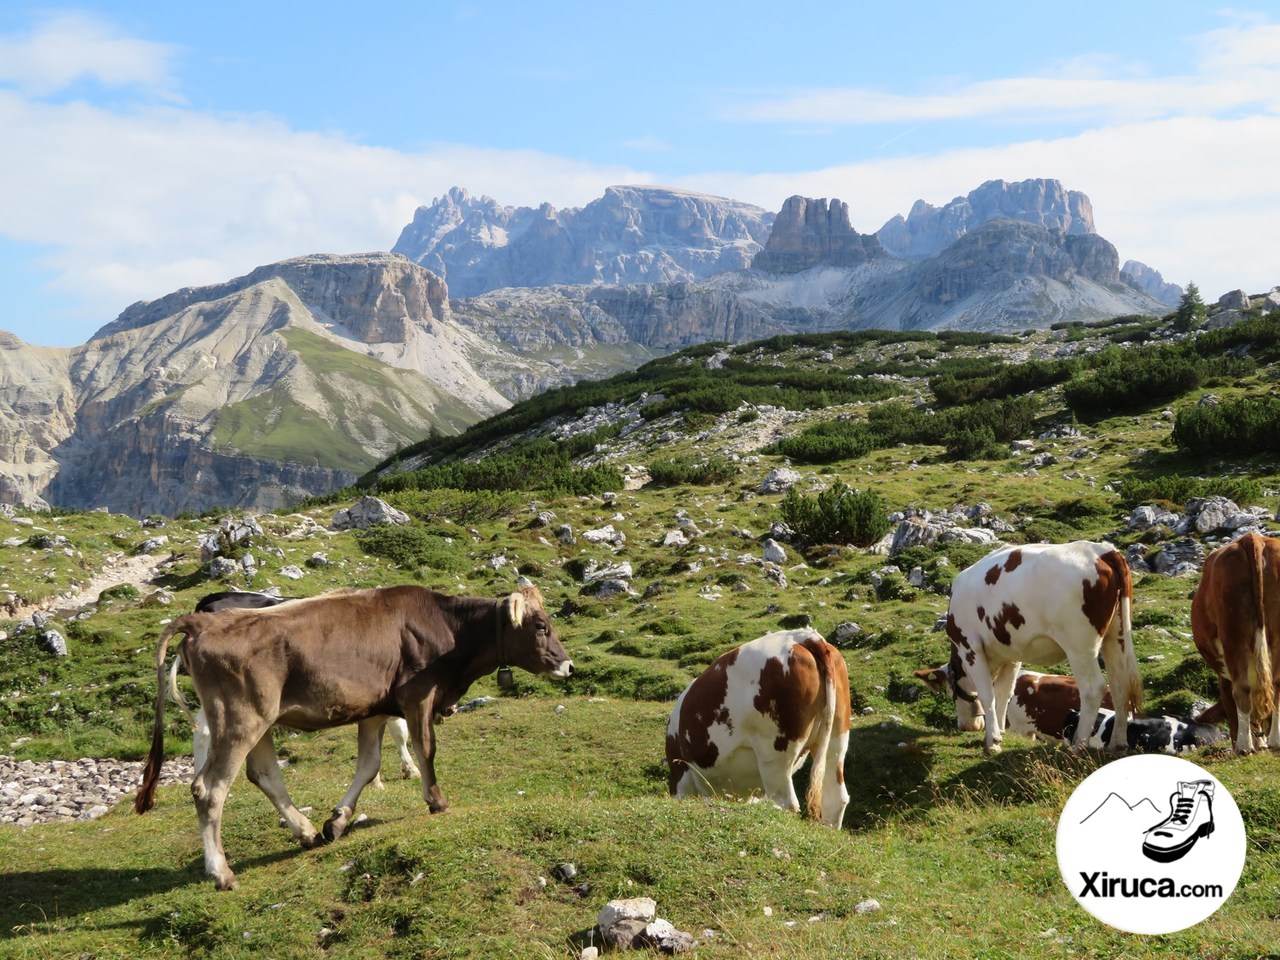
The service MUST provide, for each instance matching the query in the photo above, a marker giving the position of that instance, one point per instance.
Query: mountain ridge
(294, 377)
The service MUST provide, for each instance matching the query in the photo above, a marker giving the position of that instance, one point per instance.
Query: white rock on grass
(773, 552)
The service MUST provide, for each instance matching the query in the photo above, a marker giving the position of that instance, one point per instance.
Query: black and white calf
(1148, 734)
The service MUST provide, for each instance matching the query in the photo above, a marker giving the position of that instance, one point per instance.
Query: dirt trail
(136, 570)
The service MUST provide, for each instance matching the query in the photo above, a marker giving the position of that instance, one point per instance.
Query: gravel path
(33, 791)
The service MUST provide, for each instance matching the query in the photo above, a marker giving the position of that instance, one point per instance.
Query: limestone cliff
(1006, 274)
(37, 412)
(632, 234)
(1150, 282)
(809, 233)
(928, 230)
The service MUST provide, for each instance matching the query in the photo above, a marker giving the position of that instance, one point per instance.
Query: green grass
(957, 849)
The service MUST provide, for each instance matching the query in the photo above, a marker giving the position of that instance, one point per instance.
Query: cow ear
(933, 677)
(515, 608)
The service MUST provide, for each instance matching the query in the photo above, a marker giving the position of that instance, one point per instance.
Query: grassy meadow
(957, 848)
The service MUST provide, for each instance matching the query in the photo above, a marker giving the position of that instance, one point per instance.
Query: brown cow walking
(1235, 620)
(352, 656)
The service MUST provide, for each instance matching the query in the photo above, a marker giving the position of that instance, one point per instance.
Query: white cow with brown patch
(747, 723)
(1038, 708)
(1044, 603)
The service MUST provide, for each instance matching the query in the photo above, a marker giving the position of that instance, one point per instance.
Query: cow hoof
(225, 883)
(333, 829)
(313, 840)
(438, 807)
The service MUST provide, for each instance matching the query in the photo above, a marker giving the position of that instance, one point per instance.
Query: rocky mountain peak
(809, 233)
(1150, 282)
(631, 234)
(927, 229)
(372, 295)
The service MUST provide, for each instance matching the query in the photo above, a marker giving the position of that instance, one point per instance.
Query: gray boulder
(779, 480)
(1179, 558)
(366, 512)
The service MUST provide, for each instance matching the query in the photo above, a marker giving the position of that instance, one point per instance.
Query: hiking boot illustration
(1190, 818)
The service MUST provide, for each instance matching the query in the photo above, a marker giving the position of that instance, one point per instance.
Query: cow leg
(1121, 671)
(835, 798)
(1002, 692)
(1227, 700)
(210, 788)
(400, 734)
(983, 686)
(423, 736)
(775, 774)
(368, 762)
(1242, 694)
(263, 769)
(1092, 685)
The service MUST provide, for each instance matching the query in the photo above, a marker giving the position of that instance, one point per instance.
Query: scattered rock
(54, 642)
(846, 633)
(85, 789)
(779, 480)
(1179, 558)
(1146, 517)
(366, 512)
(606, 534)
(773, 552)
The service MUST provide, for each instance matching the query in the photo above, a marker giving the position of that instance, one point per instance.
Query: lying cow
(1038, 707)
(747, 723)
(1148, 734)
(1044, 603)
(353, 656)
(1235, 620)
(238, 599)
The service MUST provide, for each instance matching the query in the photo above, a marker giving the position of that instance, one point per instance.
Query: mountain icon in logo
(1117, 809)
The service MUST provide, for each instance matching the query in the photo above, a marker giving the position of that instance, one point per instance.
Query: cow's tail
(1128, 682)
(826, 726)
(1263, 698)
(146, 798)
(175, 692)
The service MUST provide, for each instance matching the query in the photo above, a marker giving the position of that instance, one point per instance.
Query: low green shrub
(701, 471)
(1242, 427)
(413, 547)
(1175, 490)
(838, 514)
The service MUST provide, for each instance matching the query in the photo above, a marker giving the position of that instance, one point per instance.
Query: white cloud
(1237, 68)
(134, 206)
(65, 48)
(649, 142)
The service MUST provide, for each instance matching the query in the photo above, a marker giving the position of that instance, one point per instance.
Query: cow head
(530, 640)
(969, 714)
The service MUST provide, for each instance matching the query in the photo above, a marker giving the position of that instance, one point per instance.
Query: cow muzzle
(563, 670)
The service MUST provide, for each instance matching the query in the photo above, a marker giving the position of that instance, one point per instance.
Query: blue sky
(150, 146)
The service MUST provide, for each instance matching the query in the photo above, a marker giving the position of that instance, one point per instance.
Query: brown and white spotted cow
(1235, 620)
(746, 724)
(1038, 708)
(1044, 603)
